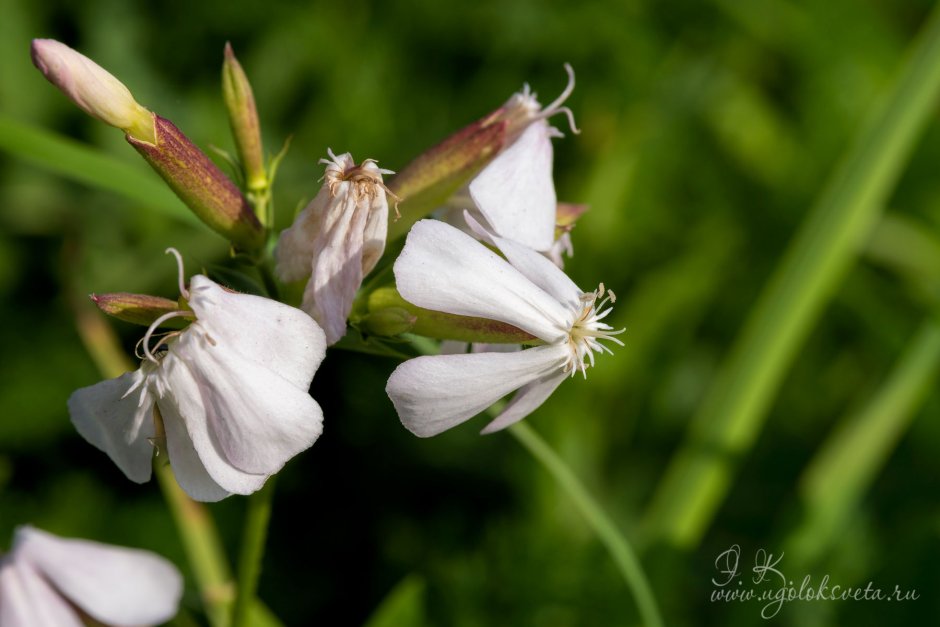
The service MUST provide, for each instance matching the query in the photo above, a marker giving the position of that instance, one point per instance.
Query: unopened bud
(140, 309)
(243, 117)
(92, 88)
(430, 179)
(388, 322)
(199, 183)
(444, 326)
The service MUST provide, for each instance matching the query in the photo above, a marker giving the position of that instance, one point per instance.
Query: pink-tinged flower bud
(140, 309)
(92, 88)
(199, 183)
(434, 176)
(243, 117)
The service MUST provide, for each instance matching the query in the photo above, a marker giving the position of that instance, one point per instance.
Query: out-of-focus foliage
(707, 131)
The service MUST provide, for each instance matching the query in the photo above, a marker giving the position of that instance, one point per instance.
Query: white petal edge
(294, 251)
(527, 400)
(191, 472)
(515, 192)
(435, 393)
(255, 418)
(118, 422)
(375, 232)
(336, 271)
(444, 269)
(26, 600)
(114, 585)
(276, 336)
(533, 265)
(198, 463)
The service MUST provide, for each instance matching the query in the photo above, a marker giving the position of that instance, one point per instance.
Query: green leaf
(403, 606)
(92, 167)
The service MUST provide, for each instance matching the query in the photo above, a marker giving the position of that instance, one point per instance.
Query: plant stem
(618, 547)
(202, 545)
(824, 249)
(252, 551)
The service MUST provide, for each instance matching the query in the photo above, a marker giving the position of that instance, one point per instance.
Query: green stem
(270, 283)
(252, 551)
(827, 244)
(618, 547)
(202, 545)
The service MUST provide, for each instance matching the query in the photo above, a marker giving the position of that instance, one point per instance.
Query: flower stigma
(524, 108)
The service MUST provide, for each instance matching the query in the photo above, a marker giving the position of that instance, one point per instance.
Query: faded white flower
(231, 390)
(443, 269)
(336, 240)
(47, 581)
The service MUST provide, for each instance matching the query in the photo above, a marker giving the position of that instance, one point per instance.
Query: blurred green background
(708, 132)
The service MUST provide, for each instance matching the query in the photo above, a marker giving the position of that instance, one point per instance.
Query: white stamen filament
(153, 327)
(587, 331)
(179, 264)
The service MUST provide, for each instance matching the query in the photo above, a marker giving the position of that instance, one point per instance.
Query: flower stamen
(587, 331)
(145, 343)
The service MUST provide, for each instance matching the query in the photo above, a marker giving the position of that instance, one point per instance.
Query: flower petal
(434, 393)
(527, 400)
(113, 585)
(118, 421)
(444, 269)
(375, 232)
(515, 192)
(337, 262)
(533, 265)
(275, 336)
(27, 600)
(254, 417)
(191, 472)
(294, 251)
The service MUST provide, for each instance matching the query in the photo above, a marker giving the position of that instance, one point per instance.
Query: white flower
(45, 581)
(443, 269)
(336, 240)
(231, 390)
(514, 194)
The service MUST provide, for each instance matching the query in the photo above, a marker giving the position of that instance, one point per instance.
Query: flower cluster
(222, 393)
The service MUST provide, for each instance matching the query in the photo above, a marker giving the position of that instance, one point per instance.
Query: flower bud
(431, 178)
(444, 326)
(92, 88)
(243, 117)
(199, 183)
(388, 322)
(140, 309)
